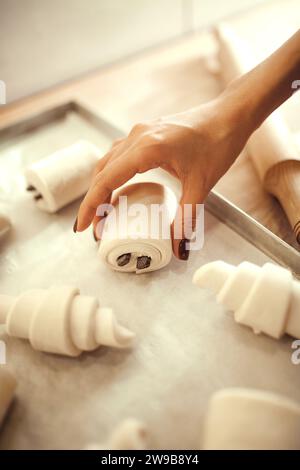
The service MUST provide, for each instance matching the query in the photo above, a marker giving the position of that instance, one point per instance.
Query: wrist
(241, 107)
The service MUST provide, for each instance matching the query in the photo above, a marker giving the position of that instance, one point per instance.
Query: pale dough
(265, 298)
(135, 247)
(245, 419)
(63, 176)
(8, 386)
(131, 434)
(61, 321)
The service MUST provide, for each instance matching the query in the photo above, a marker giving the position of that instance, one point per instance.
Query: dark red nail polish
(75, 226)
(182, 249)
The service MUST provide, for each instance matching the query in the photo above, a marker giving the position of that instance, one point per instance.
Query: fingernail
(75, 226)
(182, 249)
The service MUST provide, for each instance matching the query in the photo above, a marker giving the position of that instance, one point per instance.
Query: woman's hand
(199, 145)
(196, 146)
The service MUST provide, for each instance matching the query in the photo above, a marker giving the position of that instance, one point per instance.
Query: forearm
(259, 92)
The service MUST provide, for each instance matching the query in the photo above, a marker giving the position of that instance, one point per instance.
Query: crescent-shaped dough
(61, 321)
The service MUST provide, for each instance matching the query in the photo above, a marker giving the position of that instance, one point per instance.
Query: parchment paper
(187, 347)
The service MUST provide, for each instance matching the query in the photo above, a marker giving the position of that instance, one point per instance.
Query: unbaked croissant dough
(61, 321)
(265, 298)
(131, 434)
(135, 247)
(8, 386)
(245, 419)
(63, 176)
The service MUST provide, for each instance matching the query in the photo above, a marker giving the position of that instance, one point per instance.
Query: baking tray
(187, 347)
(218, 205)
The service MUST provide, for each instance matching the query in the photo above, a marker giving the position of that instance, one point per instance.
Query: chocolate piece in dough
(143, 262)
(122, 260)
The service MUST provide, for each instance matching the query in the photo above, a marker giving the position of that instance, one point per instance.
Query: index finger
(114, 175)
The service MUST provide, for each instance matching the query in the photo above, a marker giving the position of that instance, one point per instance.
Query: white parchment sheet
(187, 347)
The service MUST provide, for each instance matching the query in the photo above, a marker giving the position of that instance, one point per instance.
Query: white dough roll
(247, 419)
(137, 234)
(63, 176)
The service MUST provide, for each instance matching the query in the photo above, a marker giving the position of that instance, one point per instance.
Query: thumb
(185, 219)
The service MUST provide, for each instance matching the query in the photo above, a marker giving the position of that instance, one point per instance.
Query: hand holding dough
(129, 435)
(61, 321)
(63, 176)
(265, 298)
(8, 386)
(245, 419)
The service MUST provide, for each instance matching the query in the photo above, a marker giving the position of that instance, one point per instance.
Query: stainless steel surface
(49, 115)
(253, 231)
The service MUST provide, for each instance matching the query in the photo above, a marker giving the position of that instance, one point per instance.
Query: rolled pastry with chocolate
(131, 434)
(137, 234)
(267, 299)
(246, 419)
(8, 386)
(63, 176)
(61, 321)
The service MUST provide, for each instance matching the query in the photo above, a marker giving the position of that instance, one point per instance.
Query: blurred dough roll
(63, 176)
(136, 235)
(249, 419)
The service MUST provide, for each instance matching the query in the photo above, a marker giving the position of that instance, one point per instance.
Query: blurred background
(45, 42)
